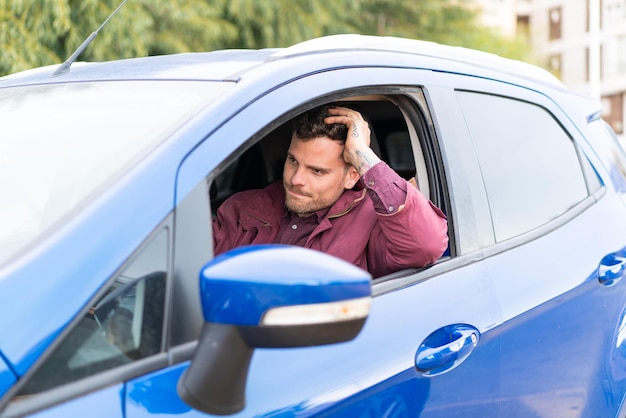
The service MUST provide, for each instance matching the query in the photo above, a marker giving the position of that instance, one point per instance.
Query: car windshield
(60, 142)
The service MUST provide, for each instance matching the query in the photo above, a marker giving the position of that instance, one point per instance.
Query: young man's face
(315, 174)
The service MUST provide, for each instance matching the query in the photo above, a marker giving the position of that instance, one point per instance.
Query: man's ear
(351, 178)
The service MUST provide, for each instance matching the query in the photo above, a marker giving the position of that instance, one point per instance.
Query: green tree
(451, 22)
(35, 33)
(148, 27)
(27, 39)
(278, 23)
(142, 27)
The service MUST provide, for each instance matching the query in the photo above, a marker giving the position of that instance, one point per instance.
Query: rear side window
(530, 165)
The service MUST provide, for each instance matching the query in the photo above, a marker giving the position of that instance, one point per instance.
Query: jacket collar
(348, 200)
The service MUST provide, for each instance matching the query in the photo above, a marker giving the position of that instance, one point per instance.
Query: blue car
(112, 303)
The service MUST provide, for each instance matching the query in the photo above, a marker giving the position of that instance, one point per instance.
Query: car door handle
(611, 269)
(445, 349)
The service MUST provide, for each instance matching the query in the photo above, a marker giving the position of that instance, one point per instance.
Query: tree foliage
(36, 33)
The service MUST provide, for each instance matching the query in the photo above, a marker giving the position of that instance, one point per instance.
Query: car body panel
(573, 324)
(104, 403)
(364, 364)
(569, 315)
(48, 269)
(7, 377)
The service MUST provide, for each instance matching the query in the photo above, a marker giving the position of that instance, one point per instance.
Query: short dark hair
(311, 125)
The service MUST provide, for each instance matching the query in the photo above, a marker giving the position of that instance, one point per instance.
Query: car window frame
(413, 106)
(412, 103)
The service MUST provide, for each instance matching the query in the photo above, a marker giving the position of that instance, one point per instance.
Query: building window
(554, 16)
(523, 26)
(600, 11)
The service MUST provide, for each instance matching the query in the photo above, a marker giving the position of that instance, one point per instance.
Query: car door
(102, 403)
(557, 257)
(428, 345)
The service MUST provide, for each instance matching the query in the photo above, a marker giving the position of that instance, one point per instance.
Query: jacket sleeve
(225, 225)
(410, 232)
(248, 217)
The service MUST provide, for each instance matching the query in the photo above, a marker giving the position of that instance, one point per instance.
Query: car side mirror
(268, 296)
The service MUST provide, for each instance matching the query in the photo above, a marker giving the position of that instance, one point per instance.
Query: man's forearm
(364, 160)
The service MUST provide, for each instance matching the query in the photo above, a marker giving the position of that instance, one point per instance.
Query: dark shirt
(295, 229)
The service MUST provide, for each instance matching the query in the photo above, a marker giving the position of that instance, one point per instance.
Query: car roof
(229, 65)
(475, 58)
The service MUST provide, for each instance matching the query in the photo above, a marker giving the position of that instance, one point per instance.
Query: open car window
(395, 142)
(399, 136)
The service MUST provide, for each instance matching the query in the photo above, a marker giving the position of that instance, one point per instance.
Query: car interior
(263, 162)
(392, 138)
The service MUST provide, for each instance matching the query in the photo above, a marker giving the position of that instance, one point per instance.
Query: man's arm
(411, 230)
(386, 189)
(357, 149)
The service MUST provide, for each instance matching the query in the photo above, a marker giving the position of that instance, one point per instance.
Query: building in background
(568, 37)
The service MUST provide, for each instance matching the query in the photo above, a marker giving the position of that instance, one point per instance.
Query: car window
(263, 162)
(397, 136)
(124, 325)
(530, 166)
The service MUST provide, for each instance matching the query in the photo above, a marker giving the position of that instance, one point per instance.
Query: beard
(304, 203)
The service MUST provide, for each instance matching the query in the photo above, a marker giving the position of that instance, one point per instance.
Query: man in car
(337, 196)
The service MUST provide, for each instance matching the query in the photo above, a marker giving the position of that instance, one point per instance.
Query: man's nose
(297, 177)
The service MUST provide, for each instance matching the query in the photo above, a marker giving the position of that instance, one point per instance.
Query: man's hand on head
(357, 149)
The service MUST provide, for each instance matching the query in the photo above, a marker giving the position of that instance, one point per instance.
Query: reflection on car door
(374, 375)
(562, 257)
